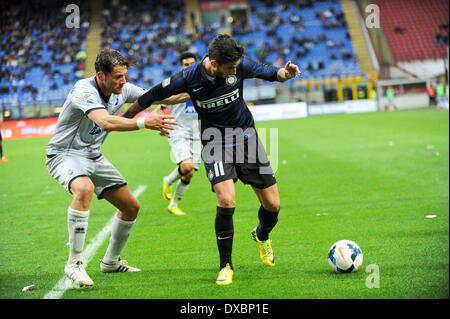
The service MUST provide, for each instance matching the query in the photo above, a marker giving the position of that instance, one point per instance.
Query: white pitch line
(89, 252)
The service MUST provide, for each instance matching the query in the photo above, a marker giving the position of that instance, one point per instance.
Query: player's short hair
(224, 49)
(187, 55)
(107, 59)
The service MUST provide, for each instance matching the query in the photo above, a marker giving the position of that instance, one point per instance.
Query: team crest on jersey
(166, 82)
(231, 80)
(95, 130)
(115, 104)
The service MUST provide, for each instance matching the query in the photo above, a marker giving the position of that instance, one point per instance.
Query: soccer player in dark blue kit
(232, 149)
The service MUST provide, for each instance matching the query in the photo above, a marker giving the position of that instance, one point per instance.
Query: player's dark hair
(187, 55)
(224, 49)
(107, 59)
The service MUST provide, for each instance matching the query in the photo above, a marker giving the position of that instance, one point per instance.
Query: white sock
(173, 176)
(120, 231)
(77, 224)
(180, 190)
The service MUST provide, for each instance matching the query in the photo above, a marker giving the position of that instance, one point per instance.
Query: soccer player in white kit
(185, 143)
(74, 158)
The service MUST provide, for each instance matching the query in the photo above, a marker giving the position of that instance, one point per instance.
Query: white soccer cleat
(118, 266)
(76, 272)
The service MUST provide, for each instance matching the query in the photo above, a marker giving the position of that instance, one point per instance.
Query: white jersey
(187, 119)
(75, 132)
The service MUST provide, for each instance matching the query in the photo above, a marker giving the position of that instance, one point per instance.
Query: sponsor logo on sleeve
(166, 82)
(89, 98)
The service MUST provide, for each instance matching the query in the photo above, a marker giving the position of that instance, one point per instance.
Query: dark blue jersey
(219, 102)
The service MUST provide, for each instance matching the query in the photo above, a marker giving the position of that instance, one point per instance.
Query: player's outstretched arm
(110, 123)
(175, 99)
(289, 71)
(135, 108)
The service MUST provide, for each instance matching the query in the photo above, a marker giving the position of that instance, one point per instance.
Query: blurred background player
(442, 95)
(184, 141)
(390, 94)
(431, 90)
(75, 160)
(2, 157)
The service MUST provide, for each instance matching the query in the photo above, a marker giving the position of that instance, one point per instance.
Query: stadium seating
(40, 57)
(411, 27)
(151, 35)
(314, 36)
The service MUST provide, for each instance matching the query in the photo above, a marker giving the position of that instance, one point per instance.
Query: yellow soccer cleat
(175, 210)
(225, 276)
(265, 250)
(167, 190)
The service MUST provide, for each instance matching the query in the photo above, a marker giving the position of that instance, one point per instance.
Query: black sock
(267, 221)
(224, 234)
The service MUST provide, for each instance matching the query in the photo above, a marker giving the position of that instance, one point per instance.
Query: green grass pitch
(371, 178)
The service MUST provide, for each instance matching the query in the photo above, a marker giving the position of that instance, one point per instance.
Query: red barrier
(38, 127)
(28, 128)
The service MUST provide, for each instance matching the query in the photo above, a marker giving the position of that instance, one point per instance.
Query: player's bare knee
(226, 201)
(189, 175)
(134, 207)
(131, 211)
(187, 168)
(83, 191)
(272, 205)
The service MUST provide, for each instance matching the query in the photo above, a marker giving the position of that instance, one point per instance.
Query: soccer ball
(345, 256)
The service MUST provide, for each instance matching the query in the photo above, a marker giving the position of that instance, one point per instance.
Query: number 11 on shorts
(218, 169)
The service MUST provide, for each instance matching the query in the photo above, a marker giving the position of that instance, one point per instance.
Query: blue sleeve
(253, 69)
(170, 86)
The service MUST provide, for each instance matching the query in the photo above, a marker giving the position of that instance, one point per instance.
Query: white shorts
(66, 167)
(184, 148)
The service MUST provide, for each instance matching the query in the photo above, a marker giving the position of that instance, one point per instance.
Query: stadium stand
(40, 57)
(415, 30)
(43, 58)
(313, 34)
(359, 41)
(148, 33)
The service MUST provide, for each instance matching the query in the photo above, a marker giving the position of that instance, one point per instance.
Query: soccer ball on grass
(345, 256)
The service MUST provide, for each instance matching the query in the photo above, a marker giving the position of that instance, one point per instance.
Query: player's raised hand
(160, 122)
(291, 70)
